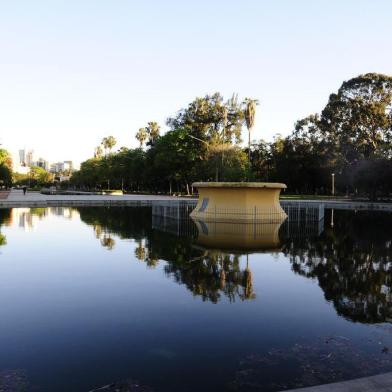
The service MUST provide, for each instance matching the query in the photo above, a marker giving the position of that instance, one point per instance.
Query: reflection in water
(27, 218)
(351, 260)
(137, 315)
(206, 273)
(213, 274)
(238, 236)
(5, 220)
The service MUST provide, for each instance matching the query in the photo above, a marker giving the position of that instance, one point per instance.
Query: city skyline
(72, 73)
(27, 158)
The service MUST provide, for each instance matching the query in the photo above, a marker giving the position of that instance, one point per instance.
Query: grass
(312, 197)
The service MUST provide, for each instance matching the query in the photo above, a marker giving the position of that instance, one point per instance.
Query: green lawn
(311, 197)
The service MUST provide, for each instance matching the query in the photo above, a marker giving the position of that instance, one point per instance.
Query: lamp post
(333, 184)
(208, 146)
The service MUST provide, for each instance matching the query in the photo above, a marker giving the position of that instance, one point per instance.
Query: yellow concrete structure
(239, 202)
(238, 236)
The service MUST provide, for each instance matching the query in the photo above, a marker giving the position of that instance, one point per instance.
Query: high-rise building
(42, 163)
(68, 165)
(22, 157)
(57, 167)
(60, 167)
(29, 158)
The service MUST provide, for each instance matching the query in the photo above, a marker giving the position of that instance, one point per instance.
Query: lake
(93, 296)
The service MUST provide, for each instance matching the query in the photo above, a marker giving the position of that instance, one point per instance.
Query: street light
(200, 140)
(333, 184)
(208, 146)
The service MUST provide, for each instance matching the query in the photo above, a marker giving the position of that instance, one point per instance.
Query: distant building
(25, 160)
(42, 163)
(57, 167)
(22, 157)
(61, 167)
(68, 165)
(30, 158)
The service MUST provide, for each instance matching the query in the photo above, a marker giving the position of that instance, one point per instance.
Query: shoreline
(15, 199)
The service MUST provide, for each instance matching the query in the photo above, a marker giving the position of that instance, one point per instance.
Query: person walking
(24, 190)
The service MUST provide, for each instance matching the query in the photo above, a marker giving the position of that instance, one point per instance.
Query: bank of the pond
(379, 383)
(15, 198)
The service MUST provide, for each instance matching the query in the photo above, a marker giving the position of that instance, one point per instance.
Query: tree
(261, 160)
(249, 114)
(353, 133)
(40, 176)
(358, 118)
(174, 158)
(152, 129)
(141, 136)
(108, 143)
(98, 152)
(210, 117)
(356, 122)
(5, 158)
(5, 168)
(224, 162)
(5, 175)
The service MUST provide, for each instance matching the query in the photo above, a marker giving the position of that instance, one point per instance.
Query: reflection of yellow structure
(238, 236)
(239, 202)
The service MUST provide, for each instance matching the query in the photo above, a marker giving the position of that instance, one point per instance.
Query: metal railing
(180, 209)
(302, 220)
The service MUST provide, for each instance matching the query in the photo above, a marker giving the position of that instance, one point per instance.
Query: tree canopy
(350, 137)
(5, 167)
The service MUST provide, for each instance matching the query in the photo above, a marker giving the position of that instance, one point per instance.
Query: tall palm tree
(98, 152)
(153, 131)
(108, 143)
(141, 136)
(249, 114)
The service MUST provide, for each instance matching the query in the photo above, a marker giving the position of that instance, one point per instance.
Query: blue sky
(72, 72)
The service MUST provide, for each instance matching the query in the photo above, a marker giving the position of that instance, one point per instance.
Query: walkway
(4, 194)
(380, 383)
(342, 204)
(36, 199)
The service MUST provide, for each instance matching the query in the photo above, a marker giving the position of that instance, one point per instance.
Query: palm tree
(249, 114)
(98, 152)
(141, 136)
(108, 143)
(108, 242)
(153, 131)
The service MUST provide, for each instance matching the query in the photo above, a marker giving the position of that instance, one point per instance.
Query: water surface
(92, 296)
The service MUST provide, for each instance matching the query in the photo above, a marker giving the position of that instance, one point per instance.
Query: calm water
(93, 296)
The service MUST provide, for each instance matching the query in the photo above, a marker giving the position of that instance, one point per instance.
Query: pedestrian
(24, 189)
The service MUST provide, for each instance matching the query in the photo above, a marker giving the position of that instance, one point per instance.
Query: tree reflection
(213, 274)
(125, 222)
(5, 220)
(107, 241)
(210, 274)
(352, 262)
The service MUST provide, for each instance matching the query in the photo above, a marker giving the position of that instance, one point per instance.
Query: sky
(75, 71)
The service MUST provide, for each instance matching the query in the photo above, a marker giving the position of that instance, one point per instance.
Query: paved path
(33, 199)
(380, 383)
(4, 194)
(342, 204)
(36, 199)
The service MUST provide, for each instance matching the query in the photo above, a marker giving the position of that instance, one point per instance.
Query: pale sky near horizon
(74, 71)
